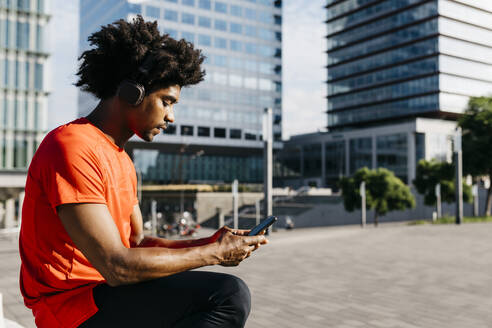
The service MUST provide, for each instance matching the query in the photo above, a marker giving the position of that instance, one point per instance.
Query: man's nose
(170, 115)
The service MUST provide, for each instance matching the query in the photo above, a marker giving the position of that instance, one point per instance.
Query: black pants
(195, 299)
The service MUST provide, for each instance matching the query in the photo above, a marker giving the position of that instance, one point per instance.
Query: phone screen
(263, 225)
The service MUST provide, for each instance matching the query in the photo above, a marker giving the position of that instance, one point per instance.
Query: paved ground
(393, 276)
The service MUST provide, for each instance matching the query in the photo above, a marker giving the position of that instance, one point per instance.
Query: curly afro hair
(137, 51)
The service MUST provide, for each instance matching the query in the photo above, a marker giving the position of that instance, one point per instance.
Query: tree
(384, 192)
(429, 174)
(476, 124)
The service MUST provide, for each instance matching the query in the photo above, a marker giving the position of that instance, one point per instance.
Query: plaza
(393, 276)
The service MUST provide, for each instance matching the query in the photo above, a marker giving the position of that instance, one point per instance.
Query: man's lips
(163, 126)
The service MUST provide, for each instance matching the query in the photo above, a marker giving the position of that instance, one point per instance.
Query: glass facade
(360, 152)
(391, 153)
(23, 89)
(403, 58)
(382, 60)
(160, 167)
(312, 160)
(334, 162)
(242, 43)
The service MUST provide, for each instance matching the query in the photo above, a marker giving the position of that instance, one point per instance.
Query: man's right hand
(233, 246)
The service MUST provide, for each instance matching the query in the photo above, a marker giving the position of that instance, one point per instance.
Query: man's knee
(238, 298)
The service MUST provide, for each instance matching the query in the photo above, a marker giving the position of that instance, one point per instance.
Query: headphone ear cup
(131, 92)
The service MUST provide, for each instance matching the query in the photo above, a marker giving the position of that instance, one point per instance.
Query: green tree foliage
(384, 192)
(476, 124)
(430, 173)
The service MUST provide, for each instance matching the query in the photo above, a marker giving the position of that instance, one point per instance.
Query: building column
(21, 203)
(2, 215)
(411, 166)
(323, 165)
(373, 152)
(10, 213)
(347, 157)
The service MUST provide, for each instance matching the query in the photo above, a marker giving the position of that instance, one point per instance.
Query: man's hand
(234, 245)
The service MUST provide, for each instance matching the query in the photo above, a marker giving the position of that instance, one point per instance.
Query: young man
(85, 260)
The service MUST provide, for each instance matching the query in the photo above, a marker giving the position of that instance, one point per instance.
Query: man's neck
(108, 118)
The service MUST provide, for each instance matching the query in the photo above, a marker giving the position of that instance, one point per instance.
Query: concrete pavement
(393, 276)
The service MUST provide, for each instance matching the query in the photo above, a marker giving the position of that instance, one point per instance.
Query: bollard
(2, 320)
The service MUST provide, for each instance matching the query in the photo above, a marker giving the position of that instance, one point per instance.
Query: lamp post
(458, 162)
(362, 190)
(267, 162)
(438, 200)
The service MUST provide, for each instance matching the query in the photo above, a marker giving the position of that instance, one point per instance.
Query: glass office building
(217, 134)
(23, 97)
(405, 58)
(400, 72)
(23, 89)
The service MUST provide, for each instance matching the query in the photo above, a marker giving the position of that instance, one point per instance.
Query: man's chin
(147, 137)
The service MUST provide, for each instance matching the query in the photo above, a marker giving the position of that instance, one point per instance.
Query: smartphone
(263, 225)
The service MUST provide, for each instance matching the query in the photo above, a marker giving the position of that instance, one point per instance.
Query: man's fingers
(241, 232)
(253, 240)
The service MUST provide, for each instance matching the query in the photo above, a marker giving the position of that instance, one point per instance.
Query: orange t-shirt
(75, 163)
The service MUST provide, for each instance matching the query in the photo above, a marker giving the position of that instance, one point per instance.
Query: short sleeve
(71, 173)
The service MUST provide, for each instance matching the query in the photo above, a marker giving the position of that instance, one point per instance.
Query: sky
(303, 65)
(64, 42)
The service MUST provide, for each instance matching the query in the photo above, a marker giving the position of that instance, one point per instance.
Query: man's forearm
(149, 241)
(144, 263)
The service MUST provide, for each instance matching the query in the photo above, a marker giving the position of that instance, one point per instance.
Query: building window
(250, 13)
(186, 130)
(360, 153)
(250, 48)
(41, 6)
(171, 129)
(172, 33)
(312, 160)
(220, 61)
(220, 43)
(236, 28)
(203, 131)
(235, 133)
(265, 17)
(220, 7)
(22, 35)
(40, 38)
(204, 22)
(249, 136)
(278, 19)
(190, 3)
(188, 18)
(236, 45)
(265, 34)
(219, 132)
(236, 11)
(204, 4)
(391, 153)
(250, 30)
(152, 11)
(171, 15)
(220, 25)
(188, 36)
(38, 77)
(334, 162)
(204, 40)
(173, 1)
